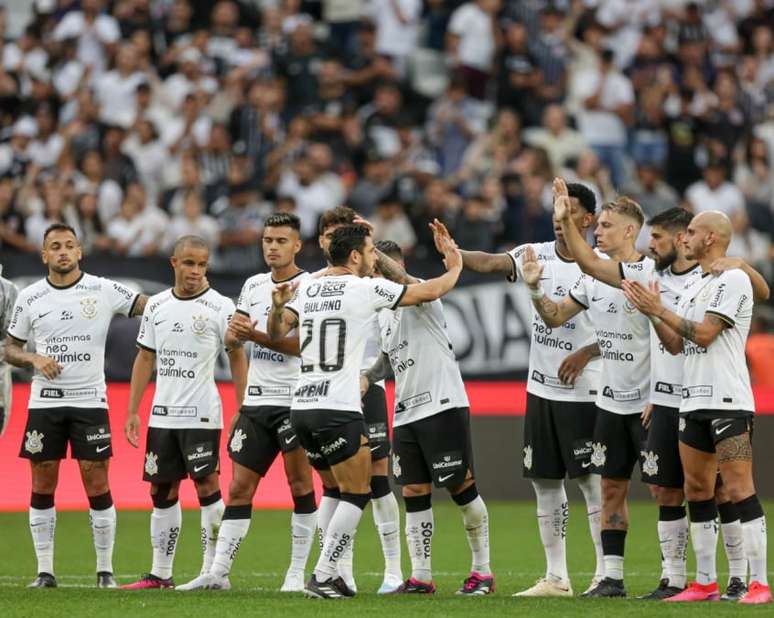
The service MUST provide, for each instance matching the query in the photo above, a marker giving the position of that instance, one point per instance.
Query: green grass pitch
(517, 559)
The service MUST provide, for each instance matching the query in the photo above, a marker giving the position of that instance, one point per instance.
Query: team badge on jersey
(237, 441)
(151, 463)
(199, 326)
(598, 454)
(34, 442)
(629, 308)
(89, 307)
(528, 457)
(650, 463)
(396, 469)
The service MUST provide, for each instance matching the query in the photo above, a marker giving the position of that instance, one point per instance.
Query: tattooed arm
(139, 306)
(393, 271)
(553, 314)
(380, 371)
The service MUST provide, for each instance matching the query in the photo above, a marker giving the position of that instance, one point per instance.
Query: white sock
(552, 515)
(476, 520)
(324, 514)
(230, 536)
(419, 538)
(103, 529)
(704, 536)
(614, 566)
(387, 519)
(733, 542)
(210, 524)
(42, 528)
(340, 533)
(345, 565)
(754, 533)
(591, 487)
(165, 533)
(673, 540)
(302, 527)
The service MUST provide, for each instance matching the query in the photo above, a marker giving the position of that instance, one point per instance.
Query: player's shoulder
(256, 281)
(214, 300)
(158, 300)
(543, 250)
(36, 289)
(735, 277)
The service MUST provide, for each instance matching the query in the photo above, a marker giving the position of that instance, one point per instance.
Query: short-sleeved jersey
(550, 346)
(335, 314)
(272, 375)
(623, 335)
(427, 377)
(716, 378)
(666, 369)
(70, 325)
(186, 334)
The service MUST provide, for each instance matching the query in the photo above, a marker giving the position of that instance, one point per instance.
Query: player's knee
(207, 485)
(163, 495)
(44, 484)
(613, 492)
(655, 492)
(696, 488)
(738, 486)
(670, 496)
(240, 491)
(413, 491)
(299, 486)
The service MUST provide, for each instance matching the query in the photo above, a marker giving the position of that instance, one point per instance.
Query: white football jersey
(335, 315)
(716, 378)
(70, 325)
(623, 335)
(272, 375)
(550, 346)
(427, 377)
(186, 334)
(666, 370)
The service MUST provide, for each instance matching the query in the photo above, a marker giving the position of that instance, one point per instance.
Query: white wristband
(654, 319)
(537, 293)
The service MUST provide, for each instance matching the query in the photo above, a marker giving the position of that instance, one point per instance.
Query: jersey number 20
(329, 327)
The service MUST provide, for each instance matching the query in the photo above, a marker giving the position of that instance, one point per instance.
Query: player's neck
(707, 260)
(563, 251)
(682, 264)
(283, 273)
(180, 292)
(625, 254)
(338, 271)
(63, 280)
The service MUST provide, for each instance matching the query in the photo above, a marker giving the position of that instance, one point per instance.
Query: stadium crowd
(138, 121)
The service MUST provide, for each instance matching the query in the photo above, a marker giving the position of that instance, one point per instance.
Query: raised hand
(439, 232)
(647, 301)
(531, 269)
(283, 293)
(561, 199)
(725, 263)
(241, 327)
(358, 220)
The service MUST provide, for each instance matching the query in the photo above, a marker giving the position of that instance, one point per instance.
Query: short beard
(664, 262)
(63, 270)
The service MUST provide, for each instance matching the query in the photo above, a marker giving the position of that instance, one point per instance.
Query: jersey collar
(195, 296)
(298, 274)
(65, 287)
(684, 272)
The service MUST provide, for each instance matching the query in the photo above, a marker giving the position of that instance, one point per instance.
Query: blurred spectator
(149, 156)
(138, 230)
(755, 177)
(313, 186)
(519, 75)
(606, 103)
(650, 191)
(472, 228)
(343, 19)
(391, 223)
(47, 147)
(453, 122)
(682, 142)
(90, 228)
(397, 30)
(14, 155)
(116, 89)
(375, 183)
(549, 47)
(240, 224)
(714, 192)
(491, 152)
(56, 209)
(472, 39)
(562, 143)
(91, 178)
(298, 66)
(194, 222)
(96, 33)
(12, 223)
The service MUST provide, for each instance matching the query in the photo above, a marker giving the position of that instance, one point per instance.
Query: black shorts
(329, 437)
(49, 430)
(260, 434)
(557, 438)
(704, 429)
(174, 454)
(618, 443)
(435, 449)
(375, 415)
(661, 463)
